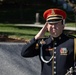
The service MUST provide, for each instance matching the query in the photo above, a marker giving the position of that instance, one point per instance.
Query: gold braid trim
(74, 49)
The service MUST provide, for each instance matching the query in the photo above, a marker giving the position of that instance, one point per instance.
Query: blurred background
(24, 11)
(17, 15)
(21, 20)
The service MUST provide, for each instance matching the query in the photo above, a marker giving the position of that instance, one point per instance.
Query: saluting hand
(42, 31)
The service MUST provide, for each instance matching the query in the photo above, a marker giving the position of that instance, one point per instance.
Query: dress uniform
(56, 54)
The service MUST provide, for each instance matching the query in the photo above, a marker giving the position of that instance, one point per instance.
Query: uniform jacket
(61, 48)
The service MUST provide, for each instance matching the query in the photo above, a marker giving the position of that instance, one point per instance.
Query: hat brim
(53, 20)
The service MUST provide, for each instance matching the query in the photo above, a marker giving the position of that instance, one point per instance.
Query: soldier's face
(55, 29)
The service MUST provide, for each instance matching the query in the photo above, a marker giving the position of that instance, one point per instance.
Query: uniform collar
(51, 39)
(58, 38)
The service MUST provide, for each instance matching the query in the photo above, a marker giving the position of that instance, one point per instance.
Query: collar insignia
(37, 46)
(42, 41)
(63, 51)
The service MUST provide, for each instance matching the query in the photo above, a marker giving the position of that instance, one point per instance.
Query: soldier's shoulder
(71, 36)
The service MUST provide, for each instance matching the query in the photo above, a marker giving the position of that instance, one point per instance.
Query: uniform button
(54, 47)
(54, 67)
(54, 72)
(54, 57)
(54, 62)
(54, 52)
(55, 43)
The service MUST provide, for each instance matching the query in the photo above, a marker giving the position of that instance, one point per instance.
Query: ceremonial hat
(54, 15)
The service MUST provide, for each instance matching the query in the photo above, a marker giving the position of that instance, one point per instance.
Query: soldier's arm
(41, 32)
(29, 49)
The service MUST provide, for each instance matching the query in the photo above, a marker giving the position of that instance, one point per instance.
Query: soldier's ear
(63, 22)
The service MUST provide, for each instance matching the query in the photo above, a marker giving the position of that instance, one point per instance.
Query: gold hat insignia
(53, 13)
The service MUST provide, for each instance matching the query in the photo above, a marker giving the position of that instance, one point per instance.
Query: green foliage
(21, 31)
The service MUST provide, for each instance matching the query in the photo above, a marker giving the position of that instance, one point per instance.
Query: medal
(63, 51)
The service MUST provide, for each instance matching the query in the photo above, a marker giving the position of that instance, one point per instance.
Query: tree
(72, 3)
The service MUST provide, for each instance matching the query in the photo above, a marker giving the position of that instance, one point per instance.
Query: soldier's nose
(53, 26)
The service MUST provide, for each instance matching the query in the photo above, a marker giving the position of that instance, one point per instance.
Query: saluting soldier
(56, 52)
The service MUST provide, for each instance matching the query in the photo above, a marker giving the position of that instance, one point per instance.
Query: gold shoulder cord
(75, 49)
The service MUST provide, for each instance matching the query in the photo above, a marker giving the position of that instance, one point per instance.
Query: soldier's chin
(54, 35)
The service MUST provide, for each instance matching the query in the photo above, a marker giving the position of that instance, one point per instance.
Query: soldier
(56, 51)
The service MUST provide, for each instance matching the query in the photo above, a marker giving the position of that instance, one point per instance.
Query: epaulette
(42, 40)
(71, 36)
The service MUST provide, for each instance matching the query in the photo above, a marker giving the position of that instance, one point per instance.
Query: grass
(71, 24)
(21, 32)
